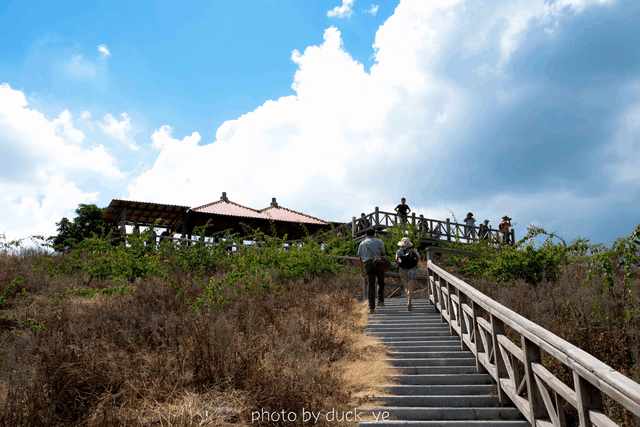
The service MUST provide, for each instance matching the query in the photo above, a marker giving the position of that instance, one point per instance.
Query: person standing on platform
(403, 211)
(470, 227)
(505, 229)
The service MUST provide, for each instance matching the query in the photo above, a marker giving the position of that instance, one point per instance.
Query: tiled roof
(278, 213)
(228, 208)
(274, 212)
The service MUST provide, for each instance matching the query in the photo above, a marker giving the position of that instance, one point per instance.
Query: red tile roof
(274, 212)
(228, 208)
(278, 213)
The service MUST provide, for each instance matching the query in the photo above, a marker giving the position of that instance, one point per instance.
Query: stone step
(441, 379)
(419, 370)
(419, 339)
(425, 329)
(435, 378)
(445, 423)
(449, 413)
(428, 324)
(414, 334)
(438, 390)
(481, 400)
(434, 361)
(427, 348)
(456, 354)
(437, 341)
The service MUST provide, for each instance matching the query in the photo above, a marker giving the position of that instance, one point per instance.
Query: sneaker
(381, 304)
(409, 307)
(372, 310)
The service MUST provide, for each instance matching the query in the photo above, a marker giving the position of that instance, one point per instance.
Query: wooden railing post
(413, 219)
(461, 322)
(448, 230)
(512, 236)
(589, 398)
(497, 328)
(450, 308)
(532, 355)
(478, 342)
(377, 216)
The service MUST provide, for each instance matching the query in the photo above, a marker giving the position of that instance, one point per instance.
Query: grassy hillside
(107, 335)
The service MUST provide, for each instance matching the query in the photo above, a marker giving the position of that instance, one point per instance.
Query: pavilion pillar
(122, 225)
(353, 227)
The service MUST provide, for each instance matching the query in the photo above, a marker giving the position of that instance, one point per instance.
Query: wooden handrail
(499, 356)
(445, 229)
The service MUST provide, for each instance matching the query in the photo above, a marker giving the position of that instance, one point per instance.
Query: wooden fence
(517, 367)
(433, 229)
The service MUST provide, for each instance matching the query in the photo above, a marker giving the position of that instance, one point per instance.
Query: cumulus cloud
(41, 161)
(344, 10)
(373, 10)
(526, 108)
(120, 130)
(104, 51)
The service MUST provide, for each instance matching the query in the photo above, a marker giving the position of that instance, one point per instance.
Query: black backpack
(409, 260)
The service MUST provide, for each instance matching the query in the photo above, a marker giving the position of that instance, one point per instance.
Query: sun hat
(405, 242)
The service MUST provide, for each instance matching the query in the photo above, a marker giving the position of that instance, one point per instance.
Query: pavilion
(216, 217)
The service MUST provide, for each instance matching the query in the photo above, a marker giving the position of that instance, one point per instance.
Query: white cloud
(120, 130)
(162, 139)
(373, 10)
(104, 51)
(41, 162)
(344, 10)
(348, 138)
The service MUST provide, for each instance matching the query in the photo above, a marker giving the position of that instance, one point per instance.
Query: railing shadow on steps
(517, 368)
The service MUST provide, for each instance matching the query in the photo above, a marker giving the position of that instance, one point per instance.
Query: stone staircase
(435, 382)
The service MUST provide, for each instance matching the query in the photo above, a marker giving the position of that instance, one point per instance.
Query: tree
(89, 222)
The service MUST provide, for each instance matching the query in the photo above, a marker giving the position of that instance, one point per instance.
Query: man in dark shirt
(403, 210)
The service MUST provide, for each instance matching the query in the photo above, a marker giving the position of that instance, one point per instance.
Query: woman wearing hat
(407, 259)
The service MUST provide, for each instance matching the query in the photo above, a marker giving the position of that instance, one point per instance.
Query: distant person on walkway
(505, 229)
(407, 258)
(403, 210)
(484, 230)
(470, 226)
(363, 223)
(371, 252)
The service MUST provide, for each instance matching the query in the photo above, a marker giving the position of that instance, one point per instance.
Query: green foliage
(539, 256)
(261, 266)
(88, 223)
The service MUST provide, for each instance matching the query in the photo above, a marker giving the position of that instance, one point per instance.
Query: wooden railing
(517, 367)
(434, 229)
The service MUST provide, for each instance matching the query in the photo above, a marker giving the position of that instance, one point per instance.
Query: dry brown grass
(366, 366)
(602, 321)
(147, 358)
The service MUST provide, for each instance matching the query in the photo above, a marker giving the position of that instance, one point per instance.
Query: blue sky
(524, 107)
(196, 64)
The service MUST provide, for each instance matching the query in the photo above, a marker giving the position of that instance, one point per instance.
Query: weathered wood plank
(617, 386)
